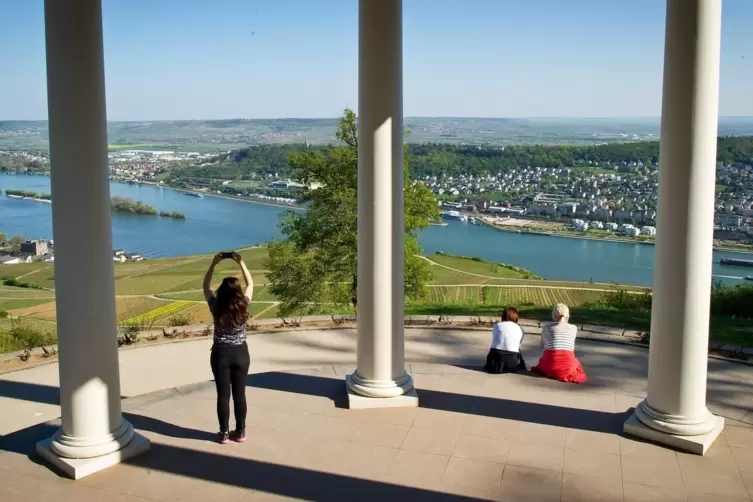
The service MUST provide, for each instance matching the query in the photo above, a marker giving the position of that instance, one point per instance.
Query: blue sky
(190, 59)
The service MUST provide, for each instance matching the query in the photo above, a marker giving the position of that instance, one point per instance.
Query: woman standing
(230, 359)
(558, 341)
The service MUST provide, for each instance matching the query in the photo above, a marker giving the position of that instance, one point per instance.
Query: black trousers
(504, 361)
(230, 368)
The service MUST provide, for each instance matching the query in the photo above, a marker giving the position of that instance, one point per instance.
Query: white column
(93, 433)
(381, 365)
(675, 409)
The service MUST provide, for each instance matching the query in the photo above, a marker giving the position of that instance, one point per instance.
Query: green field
(141, 146)
(151, 292)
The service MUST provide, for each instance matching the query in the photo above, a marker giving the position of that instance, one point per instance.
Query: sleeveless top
(228, 337)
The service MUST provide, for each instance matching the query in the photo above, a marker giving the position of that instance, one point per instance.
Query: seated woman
(558, 341)
(504, 355)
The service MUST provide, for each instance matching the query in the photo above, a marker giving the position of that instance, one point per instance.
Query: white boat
(749, 277)
(454, 215)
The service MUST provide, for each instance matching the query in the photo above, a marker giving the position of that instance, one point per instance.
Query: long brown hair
(510, 314)
(230, 309)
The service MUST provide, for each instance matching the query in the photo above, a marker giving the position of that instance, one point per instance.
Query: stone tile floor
(474, 437)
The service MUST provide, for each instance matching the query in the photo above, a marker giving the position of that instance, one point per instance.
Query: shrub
(12, 281)
(173, 214)
(180, 320)
(3, 314)
(621, 299)
(732, 300)
(24, 336)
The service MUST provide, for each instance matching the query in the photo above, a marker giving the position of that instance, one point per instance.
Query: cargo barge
(736, 262)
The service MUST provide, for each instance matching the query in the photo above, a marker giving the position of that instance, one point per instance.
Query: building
(287, 185)
(631, 231)
(35, 248)
(567, 208)
(611, 226)
(728, 220)
(648, 230)
(580, 225)
(596, 225)
(94, 434)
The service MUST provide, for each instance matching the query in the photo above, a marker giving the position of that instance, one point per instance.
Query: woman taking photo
(230, 359)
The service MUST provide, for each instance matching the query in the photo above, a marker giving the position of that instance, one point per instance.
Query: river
(214, 224)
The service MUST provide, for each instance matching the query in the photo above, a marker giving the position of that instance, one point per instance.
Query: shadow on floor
(254, 475)
(334, 389)
(24, 391)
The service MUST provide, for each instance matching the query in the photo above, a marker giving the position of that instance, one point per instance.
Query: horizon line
(446, 117)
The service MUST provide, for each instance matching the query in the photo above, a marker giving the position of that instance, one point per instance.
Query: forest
(437, 159)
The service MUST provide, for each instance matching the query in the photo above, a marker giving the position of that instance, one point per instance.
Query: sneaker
(239, 435)
(223, 437)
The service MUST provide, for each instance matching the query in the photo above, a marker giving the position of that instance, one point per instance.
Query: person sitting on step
(504, 355)
(558, 341)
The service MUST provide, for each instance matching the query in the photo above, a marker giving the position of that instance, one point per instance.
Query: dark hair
(230, 308)
(510, 314)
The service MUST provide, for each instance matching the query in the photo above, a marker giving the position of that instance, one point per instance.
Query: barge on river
(736, 262)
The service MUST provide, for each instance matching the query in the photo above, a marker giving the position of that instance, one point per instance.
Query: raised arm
(208, 293)
(246, 275)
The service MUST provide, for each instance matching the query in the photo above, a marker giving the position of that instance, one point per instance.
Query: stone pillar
(675, 410)
(380, 379)
(94, 434)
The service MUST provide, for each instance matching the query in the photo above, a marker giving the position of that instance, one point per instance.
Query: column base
(358, 401)
(77, 468)
(698, 444)
(379, 388)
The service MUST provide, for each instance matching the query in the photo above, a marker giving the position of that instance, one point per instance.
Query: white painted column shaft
(84, 281)
(381, 368)
(678, 358)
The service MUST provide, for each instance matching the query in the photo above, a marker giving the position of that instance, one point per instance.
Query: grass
(13, 304)
(476, 267)
(139, 146)
(460, 286)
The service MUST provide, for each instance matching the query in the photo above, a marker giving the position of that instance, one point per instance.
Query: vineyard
(152, 291)
(157, 314)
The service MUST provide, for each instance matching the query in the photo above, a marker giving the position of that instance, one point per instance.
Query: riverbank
(574, 235)
(19, 197)
(227, 196)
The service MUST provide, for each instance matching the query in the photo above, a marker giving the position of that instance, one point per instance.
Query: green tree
(3, 238)
(314, 269)
(15, 243)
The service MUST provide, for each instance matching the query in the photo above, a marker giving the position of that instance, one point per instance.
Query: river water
(214, 224)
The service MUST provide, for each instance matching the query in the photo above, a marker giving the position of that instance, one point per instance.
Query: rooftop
(475, 436)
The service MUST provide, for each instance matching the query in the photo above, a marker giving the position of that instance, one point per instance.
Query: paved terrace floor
(474, 437)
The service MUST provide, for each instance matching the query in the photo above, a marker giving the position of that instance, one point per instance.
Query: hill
(224, 135)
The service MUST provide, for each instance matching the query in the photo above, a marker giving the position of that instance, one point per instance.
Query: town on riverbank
(604, 192)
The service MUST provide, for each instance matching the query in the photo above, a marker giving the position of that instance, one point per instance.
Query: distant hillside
(429, 159)
(224, 135)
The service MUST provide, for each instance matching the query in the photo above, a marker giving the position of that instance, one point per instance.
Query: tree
(314, 269)
(15, 243)
(3, 238)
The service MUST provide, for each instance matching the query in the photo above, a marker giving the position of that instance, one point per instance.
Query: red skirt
(560, 365)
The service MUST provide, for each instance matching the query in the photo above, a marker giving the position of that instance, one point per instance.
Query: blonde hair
(560, 312)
